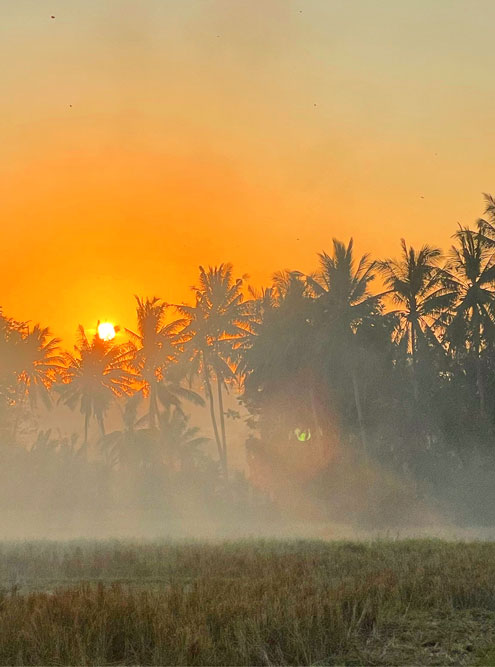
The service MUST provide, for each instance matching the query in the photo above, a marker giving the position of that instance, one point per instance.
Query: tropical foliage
(390, 360)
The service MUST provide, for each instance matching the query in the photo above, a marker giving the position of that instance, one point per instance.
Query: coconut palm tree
(343, 302)
(10, 342)
(422, 296)
(155, 355)
(94, 375)
(138, 446)
(472, 279)
(154, 350)
(486, 225)
(39, 361)
(276, 358)
(179, 440)
(215, 327)
(29, 361)
(10, 339)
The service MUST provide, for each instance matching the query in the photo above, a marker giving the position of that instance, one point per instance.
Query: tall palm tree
(416, 284)
(472, 278)
(276, 361)
(343, 302)
(215, 326)
(155, 349)
(92, 377)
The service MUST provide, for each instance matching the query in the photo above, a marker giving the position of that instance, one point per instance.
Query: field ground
(249, 602)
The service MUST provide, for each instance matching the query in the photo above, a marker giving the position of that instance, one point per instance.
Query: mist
(354, 401)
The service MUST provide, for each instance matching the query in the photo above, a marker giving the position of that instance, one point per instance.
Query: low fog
(318, 407)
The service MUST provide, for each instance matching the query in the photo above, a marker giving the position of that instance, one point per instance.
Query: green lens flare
(303, 436)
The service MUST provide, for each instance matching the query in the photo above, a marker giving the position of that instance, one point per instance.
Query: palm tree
(215, 327)
(179, 440)
(136, 446)
(343, 302)
(486, 225)
(155, 350)
(472, 279)
(92, 377)
(29, 362)
(10, 342)
(276, 360)
(132, 447)
(10, 339)
(39, 361)
(416, 284)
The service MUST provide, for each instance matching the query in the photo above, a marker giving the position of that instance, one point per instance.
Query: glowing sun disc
(106, 331)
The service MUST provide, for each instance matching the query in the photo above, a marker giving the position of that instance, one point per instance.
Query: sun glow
(106, 331)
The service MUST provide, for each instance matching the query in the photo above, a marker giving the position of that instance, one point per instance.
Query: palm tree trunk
(153, 407)
(212, 413)
(479, 373)
(222, 425)
(481, 386)
(18, 411)
(86, 426)
(357, 400)
(15, 427)
(414, 358)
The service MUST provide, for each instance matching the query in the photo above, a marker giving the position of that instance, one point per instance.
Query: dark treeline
(369, 387)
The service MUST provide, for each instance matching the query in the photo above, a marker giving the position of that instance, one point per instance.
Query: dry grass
(247, 603)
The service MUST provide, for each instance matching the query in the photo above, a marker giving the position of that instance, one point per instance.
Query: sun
(106, 331)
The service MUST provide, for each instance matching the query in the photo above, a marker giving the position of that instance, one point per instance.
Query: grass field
(251, 602)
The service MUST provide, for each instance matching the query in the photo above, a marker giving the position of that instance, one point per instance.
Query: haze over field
(141, 139)
(247, 332)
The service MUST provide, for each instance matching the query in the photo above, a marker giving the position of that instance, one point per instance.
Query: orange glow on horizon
(140, 140)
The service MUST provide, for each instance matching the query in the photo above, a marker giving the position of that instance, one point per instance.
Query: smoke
(54, 488)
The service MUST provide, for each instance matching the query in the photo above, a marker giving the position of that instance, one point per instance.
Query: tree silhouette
(39, 361)
(322, 361)
(277, 362)
(343, 302)
(472, 278)
(155, 349)
(417, 287)
(486, 225)
(215, 326)
(93, 376)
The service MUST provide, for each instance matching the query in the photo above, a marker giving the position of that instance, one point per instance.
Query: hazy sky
(250, 131)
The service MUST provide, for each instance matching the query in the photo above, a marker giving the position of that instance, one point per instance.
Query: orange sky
(250, 131)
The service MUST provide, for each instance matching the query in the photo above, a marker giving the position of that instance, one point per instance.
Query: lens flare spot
(303, 436)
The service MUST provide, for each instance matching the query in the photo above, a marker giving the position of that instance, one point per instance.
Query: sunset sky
(142, 138)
